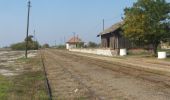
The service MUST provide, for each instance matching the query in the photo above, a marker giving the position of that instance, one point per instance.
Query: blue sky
(55, 19)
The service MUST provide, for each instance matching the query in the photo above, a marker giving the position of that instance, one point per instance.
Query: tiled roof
(75, 40)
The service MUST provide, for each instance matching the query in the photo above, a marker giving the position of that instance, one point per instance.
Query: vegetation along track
(46, 78)
(87, 92)
(75, 77)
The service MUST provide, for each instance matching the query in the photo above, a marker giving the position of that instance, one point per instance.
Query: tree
(61, 46)
(45, 45)
(92, 45)
(147, 21)
(29, 38)
(80, 44)
(32, 45)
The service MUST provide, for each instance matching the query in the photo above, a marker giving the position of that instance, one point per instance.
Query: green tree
(80, 44)
(147, 21)
(32, 45)
(92, 45)
(45, 45)
(29, 38)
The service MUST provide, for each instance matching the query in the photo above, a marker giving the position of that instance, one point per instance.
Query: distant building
(112, 37)
(74, 42)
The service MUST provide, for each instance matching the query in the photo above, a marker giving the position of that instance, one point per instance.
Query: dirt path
(76, 77)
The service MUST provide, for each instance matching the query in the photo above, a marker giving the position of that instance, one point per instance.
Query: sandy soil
(80, 77)
(8, 65)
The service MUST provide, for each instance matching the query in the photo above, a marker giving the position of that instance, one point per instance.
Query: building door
(108, 42)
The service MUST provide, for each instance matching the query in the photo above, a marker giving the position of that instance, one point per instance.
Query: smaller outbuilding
(74, 42)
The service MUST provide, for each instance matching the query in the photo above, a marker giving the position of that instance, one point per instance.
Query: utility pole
(64, 39)
(34, 36)
(34, 41)
(103, 25)
(55, 44)
(26, 49)
(74, 34)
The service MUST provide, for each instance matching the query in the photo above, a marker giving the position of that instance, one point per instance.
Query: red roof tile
(75, 40)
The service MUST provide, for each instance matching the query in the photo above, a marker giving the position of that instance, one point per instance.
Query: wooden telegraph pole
(103, 25)
(26, 49)
(34, 41)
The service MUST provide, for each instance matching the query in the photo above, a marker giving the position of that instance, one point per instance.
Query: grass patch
(28, 85)
(167, 59)
(5, 85)
(23, 59)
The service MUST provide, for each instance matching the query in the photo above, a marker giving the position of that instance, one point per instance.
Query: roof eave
(109, 30)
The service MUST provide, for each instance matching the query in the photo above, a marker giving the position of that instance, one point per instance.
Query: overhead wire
(100, 24)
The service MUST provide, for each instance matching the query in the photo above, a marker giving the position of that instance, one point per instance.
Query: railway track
(70, 79)
(125, 69)
(48, 87)
(90, 92)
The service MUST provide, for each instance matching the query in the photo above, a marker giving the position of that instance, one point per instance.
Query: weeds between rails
(91, 92)
(46, 78)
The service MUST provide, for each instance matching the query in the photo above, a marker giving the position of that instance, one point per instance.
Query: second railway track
(72, 77)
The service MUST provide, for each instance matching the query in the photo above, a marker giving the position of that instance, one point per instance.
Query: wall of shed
(124, 43)
(116, 41)
(104, 42)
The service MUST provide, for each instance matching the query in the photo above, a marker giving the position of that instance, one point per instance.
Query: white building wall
(67, 46)
(70, 46)
(105, 52)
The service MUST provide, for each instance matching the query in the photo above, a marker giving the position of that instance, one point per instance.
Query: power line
(104, 23)
(95, 27)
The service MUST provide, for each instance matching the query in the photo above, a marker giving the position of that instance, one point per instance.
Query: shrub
(22, 45)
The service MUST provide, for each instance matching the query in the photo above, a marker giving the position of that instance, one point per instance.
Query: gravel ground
(74, 77)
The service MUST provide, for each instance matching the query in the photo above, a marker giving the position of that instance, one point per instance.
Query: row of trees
(93, 45)
(148, 22)
(32, 45)
(88, 45)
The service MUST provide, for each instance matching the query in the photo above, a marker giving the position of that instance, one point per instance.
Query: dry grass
(28, 85)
